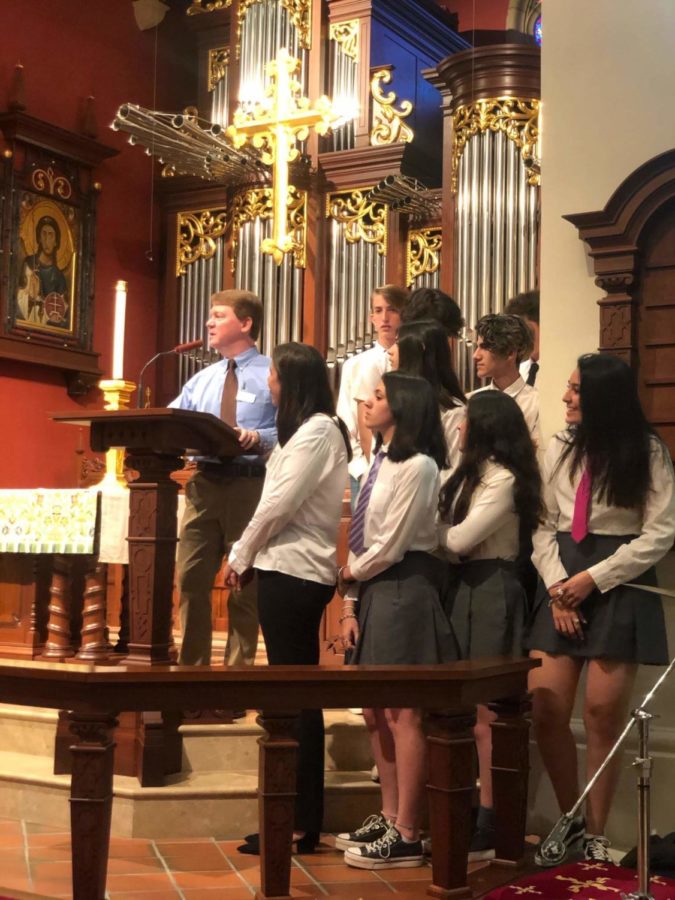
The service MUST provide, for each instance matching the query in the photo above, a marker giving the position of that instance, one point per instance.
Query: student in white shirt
(291, 543)
(422, 349)
(608, 488)
(386, 306)
(502, 343)
(526, 305)
(400, 619)
(488, 508)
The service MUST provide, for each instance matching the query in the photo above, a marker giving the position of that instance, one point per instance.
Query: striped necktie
(358, 526)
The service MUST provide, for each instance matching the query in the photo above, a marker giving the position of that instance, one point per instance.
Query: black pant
(290, 611)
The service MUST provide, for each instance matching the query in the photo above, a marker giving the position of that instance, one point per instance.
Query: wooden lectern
(155, 441)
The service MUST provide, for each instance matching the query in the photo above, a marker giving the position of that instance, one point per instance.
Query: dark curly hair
(503, 334)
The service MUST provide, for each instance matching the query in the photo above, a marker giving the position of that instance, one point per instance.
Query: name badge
(246, 397)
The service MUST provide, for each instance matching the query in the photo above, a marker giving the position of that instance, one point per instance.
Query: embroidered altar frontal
(48, 521)
(585, 881)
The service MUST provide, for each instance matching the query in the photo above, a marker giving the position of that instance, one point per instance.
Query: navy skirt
(401, 620)
(625, 624)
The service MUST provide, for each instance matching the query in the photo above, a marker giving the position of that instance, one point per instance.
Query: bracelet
(346, 616)
(341, 578)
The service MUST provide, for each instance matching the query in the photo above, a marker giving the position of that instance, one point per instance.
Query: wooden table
(95, 695)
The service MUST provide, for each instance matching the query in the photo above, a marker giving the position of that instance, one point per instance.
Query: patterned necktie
(532, 374)
(228, 405)
(358, 527)
(582, 506)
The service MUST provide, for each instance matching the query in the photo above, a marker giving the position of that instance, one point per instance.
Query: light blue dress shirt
(255, 412)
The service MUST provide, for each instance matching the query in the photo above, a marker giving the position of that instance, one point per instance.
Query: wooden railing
(449, 693)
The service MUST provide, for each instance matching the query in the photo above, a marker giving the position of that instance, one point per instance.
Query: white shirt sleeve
(546, 556)
(413, 500)
(656, 536)
(293, 480)
(490, 512)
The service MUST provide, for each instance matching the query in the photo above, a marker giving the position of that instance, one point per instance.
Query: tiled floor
(36, 860)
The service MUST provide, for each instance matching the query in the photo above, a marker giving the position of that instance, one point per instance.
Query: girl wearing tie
(608, 488)
(291, 542)
(422, 349)
(488, 511)
(398, 618)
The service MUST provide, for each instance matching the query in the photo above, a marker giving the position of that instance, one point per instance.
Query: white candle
(118, 332)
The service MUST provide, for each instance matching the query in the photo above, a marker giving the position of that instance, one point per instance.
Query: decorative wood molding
(502, 70)
(613, 236)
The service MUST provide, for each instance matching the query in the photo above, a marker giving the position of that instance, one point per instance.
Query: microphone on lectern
(179, 348)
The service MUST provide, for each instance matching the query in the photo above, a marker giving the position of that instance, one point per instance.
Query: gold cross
(273, 127)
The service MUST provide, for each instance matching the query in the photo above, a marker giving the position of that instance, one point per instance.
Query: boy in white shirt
(363, 372)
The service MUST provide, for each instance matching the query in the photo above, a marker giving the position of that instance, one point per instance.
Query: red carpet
(583, 881)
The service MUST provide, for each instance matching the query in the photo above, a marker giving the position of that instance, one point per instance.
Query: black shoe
(374, 827)
(306, 844)
(390, 852)
(558, 847)
(482, 845)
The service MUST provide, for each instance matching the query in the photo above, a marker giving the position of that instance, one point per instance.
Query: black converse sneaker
(389, 852)
(555, 849)
(375, 827)
(596, 849)
(482, 844)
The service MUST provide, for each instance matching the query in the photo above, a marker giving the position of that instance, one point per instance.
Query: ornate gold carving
(424, 252)
(300, 12)
(207, 6)
(388, 126)
(196, 236)
(516, 117)
(346, 34)
(363, 219)
(259, 203)
(219, 60)
(46, 180)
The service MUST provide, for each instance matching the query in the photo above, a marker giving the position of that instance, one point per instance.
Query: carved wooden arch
(613, 237)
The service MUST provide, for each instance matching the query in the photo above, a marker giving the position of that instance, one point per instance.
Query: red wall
(69, 51)
(478, 15)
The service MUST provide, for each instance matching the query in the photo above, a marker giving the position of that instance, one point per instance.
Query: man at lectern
(222, 495)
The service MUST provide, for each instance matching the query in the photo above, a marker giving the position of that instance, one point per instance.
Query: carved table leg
(276, 801)
(510, 769)
(94, 646)
(91, 802)
(450, 744)
(59, 643)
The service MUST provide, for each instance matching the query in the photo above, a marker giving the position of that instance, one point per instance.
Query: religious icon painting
(47, 242)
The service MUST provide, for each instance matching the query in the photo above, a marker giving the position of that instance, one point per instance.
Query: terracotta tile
(47, 854)
(39, 828)
(360, 890)
(122, 883)
(422, 873)
(226, 894)
(144, 895)
(324, 856)
(208, 879)
(57, 870)
(306, 891)
(241, 862)
(55, 839)
(131, 847)
(144, 865)
(47, 888)
(10, 828)
(18, 885)
(200, 864)
(13, 863)
(339, 872)
(298, 877)
(15, 871)
(11, 841)
(180, 846)
(229, 848)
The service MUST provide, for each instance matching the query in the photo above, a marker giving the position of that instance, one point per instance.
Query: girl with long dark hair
(608, 484)
(291, 542)
(488, 509)
(400, 619)
(422, 349)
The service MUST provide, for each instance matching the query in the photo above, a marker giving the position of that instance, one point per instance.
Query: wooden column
(450, 743)
(510, 769)
(94, 646)
(91, 802)
(59, 643)
(277, 775)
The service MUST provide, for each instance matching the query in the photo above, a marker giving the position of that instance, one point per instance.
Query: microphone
(179, 348)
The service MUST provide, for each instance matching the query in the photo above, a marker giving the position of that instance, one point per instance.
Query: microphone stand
(553, 847)
(140, 377)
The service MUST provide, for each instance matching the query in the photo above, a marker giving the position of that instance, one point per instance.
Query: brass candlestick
(117, 395)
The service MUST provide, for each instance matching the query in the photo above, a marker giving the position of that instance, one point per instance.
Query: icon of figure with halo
(42, 295)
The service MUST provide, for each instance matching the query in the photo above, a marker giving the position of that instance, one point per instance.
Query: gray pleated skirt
(625, 624)
(485, 603)
(401, 620)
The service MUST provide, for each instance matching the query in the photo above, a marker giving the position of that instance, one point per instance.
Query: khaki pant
(217, 511)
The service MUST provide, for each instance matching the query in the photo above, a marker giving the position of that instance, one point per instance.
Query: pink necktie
(582, 505)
